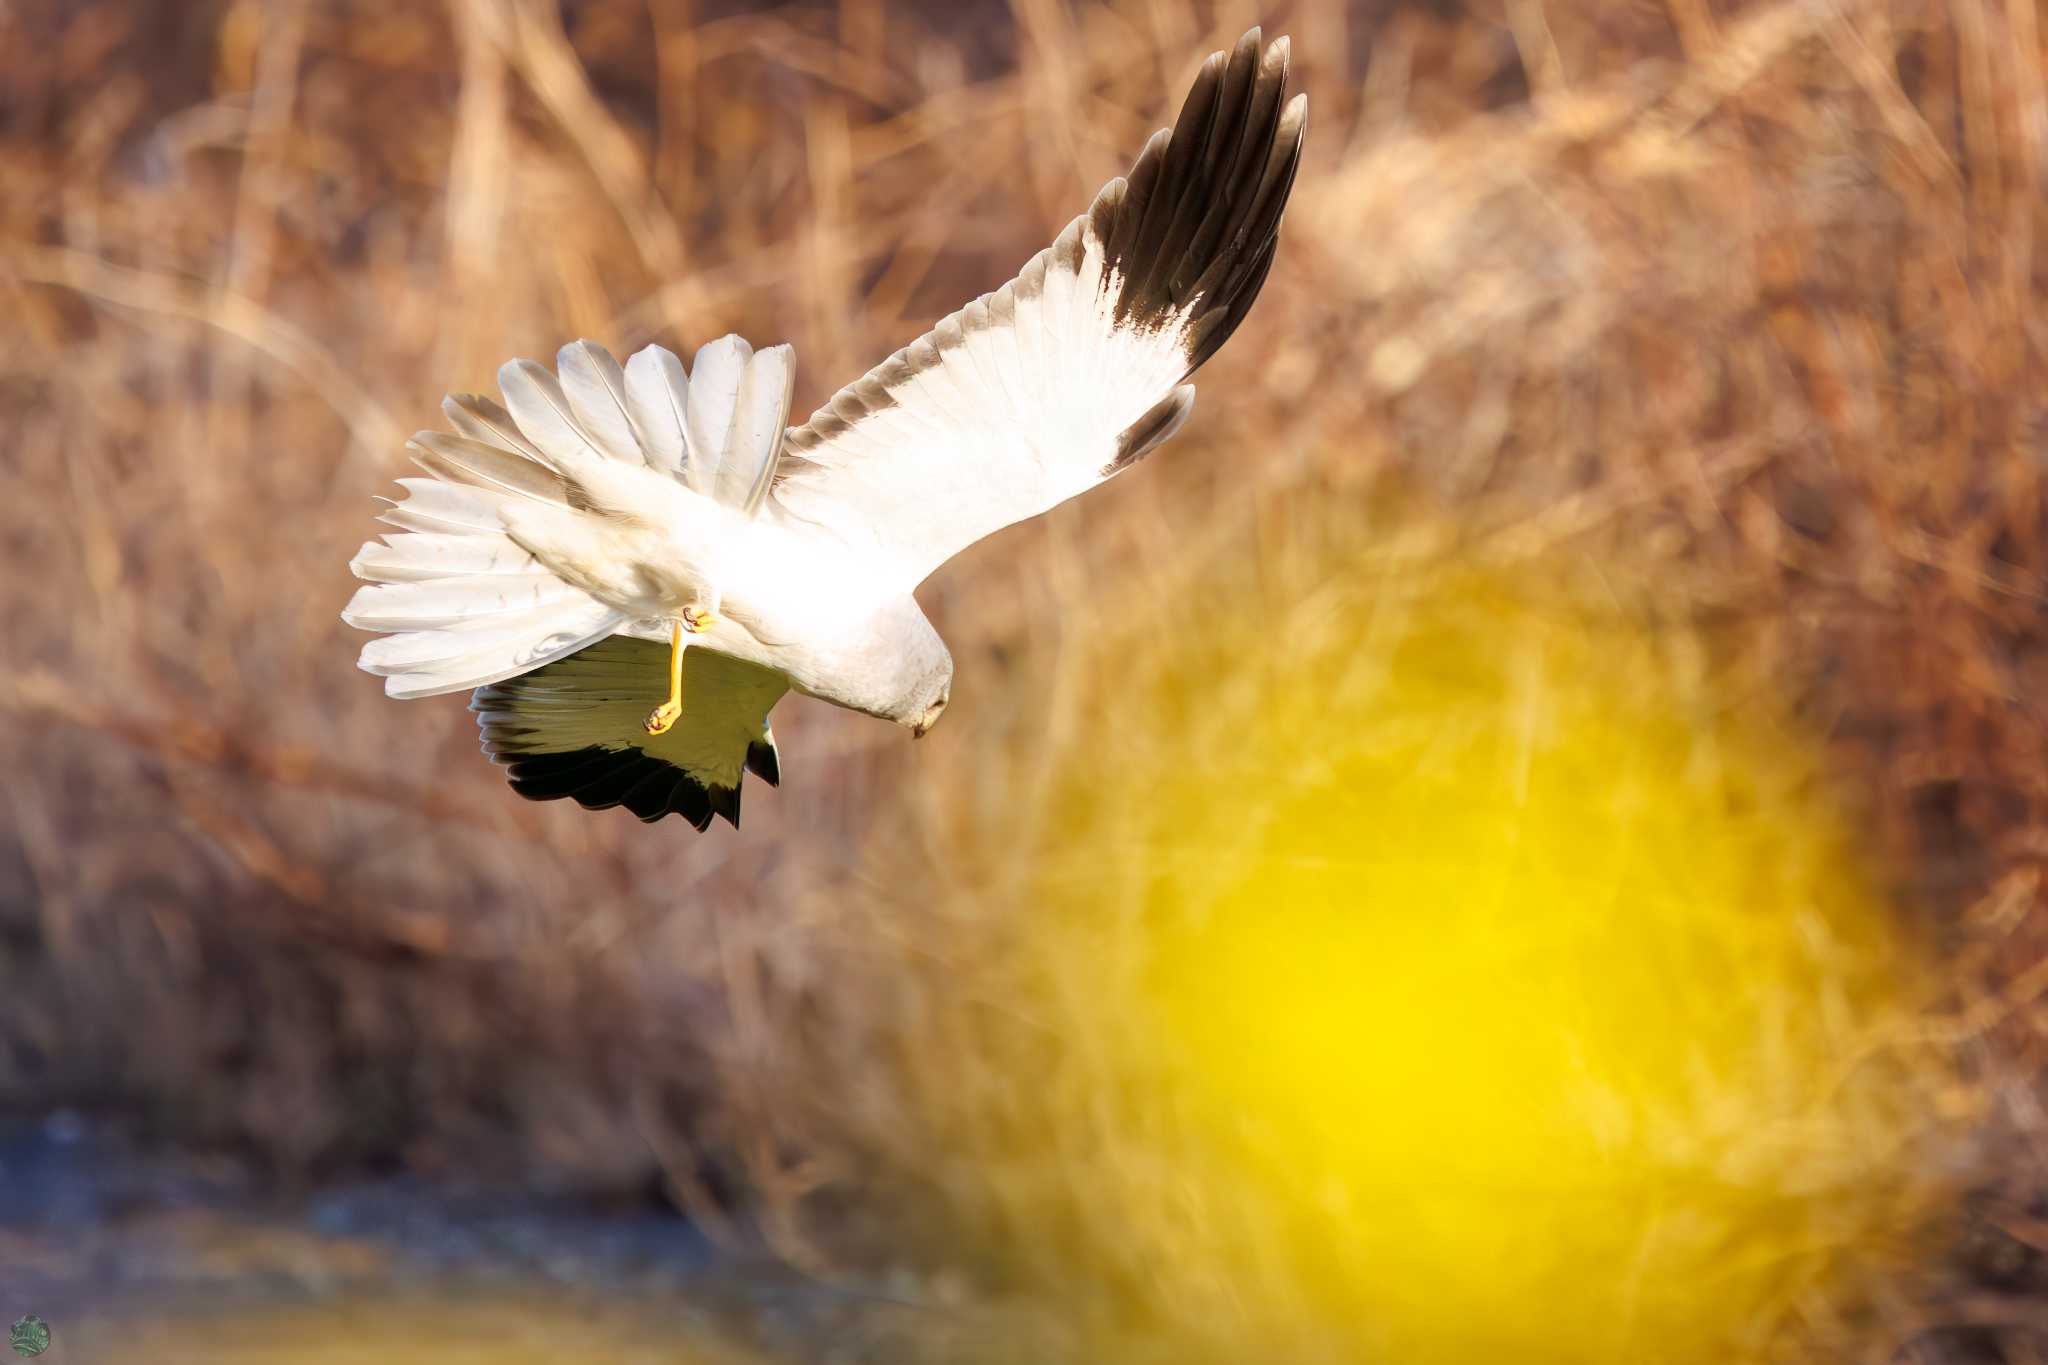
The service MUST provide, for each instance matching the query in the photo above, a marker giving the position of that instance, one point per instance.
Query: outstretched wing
(575, 728)
(1071, 372)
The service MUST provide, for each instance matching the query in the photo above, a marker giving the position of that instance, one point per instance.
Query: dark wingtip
(598, 778)
(1152, 430)
(764, 762)
(1195, 226)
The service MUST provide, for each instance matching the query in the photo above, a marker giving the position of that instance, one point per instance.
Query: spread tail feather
(461, 604)
(735, 416)
(462, 600)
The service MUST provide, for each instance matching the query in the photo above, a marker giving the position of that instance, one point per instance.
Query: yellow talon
(696, 620)
(669, 712)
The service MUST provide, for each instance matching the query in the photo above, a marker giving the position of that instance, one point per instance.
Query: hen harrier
(573, 545)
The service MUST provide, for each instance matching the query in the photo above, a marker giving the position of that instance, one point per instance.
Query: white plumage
(646, 500)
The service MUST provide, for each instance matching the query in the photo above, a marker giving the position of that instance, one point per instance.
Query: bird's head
(928, 678)
(903, 671)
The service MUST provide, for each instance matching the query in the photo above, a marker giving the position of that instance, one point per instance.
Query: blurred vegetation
(1486, 971)
(1728, 316)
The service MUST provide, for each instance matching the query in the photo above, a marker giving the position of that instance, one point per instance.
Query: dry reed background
(1744, 297)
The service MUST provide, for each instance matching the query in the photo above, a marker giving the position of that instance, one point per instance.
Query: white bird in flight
(630, 566)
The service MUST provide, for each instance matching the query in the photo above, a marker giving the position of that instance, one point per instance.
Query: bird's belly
(789, 604)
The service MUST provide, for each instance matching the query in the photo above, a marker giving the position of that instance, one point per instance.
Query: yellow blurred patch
(1504, 989)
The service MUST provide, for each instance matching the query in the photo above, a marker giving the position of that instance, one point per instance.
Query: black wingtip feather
(1215, 164)
(764, 762)
(603, 775)
(693, 803)
(1214, 329)
(1180, 179)
(600, 778)
(1152, 430)
(1260, 86)
(650, 797)
(1199, 214)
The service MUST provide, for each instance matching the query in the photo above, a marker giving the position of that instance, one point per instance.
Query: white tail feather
(412, 649)
(451, 505)
(463, 604)
(714, 395)
(542, 411)
(482, 419)
(596, 389)
(759, 419)
(564, 638)
(658, 396)
(451, 602)
(426, 555)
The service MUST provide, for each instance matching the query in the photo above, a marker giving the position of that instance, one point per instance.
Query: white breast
(793, 601)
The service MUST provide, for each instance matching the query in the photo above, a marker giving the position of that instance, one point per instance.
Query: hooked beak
(917, 731)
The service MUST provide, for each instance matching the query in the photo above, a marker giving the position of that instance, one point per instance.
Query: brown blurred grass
(1742, 297)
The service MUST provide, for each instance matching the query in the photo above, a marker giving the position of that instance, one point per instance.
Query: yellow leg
(663, 716)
